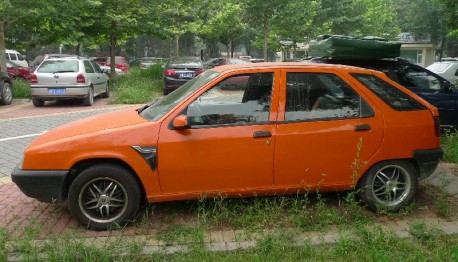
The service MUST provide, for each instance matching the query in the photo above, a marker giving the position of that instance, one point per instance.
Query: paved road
(17, 132)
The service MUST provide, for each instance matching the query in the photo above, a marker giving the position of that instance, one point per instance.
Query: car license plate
(186, 75)
(56, 91)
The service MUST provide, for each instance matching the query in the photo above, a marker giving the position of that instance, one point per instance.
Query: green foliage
(21, 89)
(450, 145)
(138, 86)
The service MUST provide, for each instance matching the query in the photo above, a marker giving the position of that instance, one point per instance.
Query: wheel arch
(78, 167)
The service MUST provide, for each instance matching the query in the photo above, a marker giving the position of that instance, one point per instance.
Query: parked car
(146, 62)
(180, 70)
(430, 86)
(39, 59)
(120, 62)
(278, 135)
(6, 89)
(16, 57)
(245, 57)
(16, 71)
(446, 69)
(223, 61)
(68, 78)
(101, 60)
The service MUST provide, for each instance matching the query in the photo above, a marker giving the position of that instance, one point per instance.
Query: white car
(107, 70)
(446, 69)
(68, 78)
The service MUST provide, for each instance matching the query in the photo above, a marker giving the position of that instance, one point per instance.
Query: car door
(100, 77)
(433, 89)
(325, 128)
(228, 146)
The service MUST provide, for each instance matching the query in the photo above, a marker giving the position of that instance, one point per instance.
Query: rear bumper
(427, 160)
(43, 185)
(70, 92)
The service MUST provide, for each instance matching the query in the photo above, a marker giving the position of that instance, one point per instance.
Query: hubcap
(7, 92)
(391, 185)
(103, 200)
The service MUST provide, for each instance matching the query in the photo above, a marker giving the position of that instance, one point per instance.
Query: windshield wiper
(139, 110)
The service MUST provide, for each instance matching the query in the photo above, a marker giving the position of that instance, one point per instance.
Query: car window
(88, 67)
(241, 99)
(319, 96)
(96, 66)
(13, 57)
(392, 96)
(58, 66)
(409, 76)
(20, 57)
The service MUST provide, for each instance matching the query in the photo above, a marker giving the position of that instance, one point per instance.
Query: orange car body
(274, 157)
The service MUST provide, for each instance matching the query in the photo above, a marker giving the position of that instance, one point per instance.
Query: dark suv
(430, 86)
(6, 87)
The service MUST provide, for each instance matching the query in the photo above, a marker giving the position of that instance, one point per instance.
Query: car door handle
(363, 127)
(258, 134)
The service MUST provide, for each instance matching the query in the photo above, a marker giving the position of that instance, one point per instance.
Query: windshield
(164, 105)
(438, 67)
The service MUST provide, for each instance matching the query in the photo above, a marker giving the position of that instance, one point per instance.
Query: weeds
(138, 86)
(21, 89)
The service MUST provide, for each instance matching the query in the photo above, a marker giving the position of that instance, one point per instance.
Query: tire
(104, 197)
(6, 93)
(38, 102)
(89, 99)
(165, 91)
(106, 94)
(389, 185)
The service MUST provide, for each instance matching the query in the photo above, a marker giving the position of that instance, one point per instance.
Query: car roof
(282, 65)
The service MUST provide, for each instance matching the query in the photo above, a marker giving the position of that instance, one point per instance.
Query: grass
(138, 86)
(21, 89)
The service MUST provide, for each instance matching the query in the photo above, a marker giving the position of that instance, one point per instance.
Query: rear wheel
(38, 102)
(89, 100)
(106, 94)
(6, 94)
(104, 197)
(389, 185)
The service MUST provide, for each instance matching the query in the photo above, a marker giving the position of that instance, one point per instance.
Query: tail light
(200, 72)
(170, 72)
(437, 129)
(33, 79)
(80, 79)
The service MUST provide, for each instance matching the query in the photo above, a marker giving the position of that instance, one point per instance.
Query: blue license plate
(186, 75)
(56, 91)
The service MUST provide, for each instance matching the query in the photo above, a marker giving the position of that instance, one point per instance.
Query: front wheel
(389, 185)
(104, 197)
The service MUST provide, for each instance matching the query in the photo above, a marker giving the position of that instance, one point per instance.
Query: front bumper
(43, 185)
(427, 160)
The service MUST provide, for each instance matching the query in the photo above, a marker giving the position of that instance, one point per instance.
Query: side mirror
(180, 122)
(448, 87)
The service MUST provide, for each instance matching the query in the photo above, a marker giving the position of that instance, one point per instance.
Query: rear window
(392, 96)
(58, 66)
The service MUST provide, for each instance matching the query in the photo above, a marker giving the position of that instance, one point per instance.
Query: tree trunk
(229, 48)
(78, 49)
(2, 48)
(112, 48)
(266, 36)
(177, 45)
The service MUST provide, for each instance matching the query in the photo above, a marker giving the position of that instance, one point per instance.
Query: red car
(120, 61)
(16, 71)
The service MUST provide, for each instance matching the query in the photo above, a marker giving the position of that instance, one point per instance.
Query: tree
(260, 13)
(12, 11)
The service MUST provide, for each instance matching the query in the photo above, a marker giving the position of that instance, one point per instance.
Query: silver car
(68, 78)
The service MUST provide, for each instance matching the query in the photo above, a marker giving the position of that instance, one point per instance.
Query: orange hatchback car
(288, 128)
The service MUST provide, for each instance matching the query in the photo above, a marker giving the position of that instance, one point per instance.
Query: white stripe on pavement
(19, 137)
